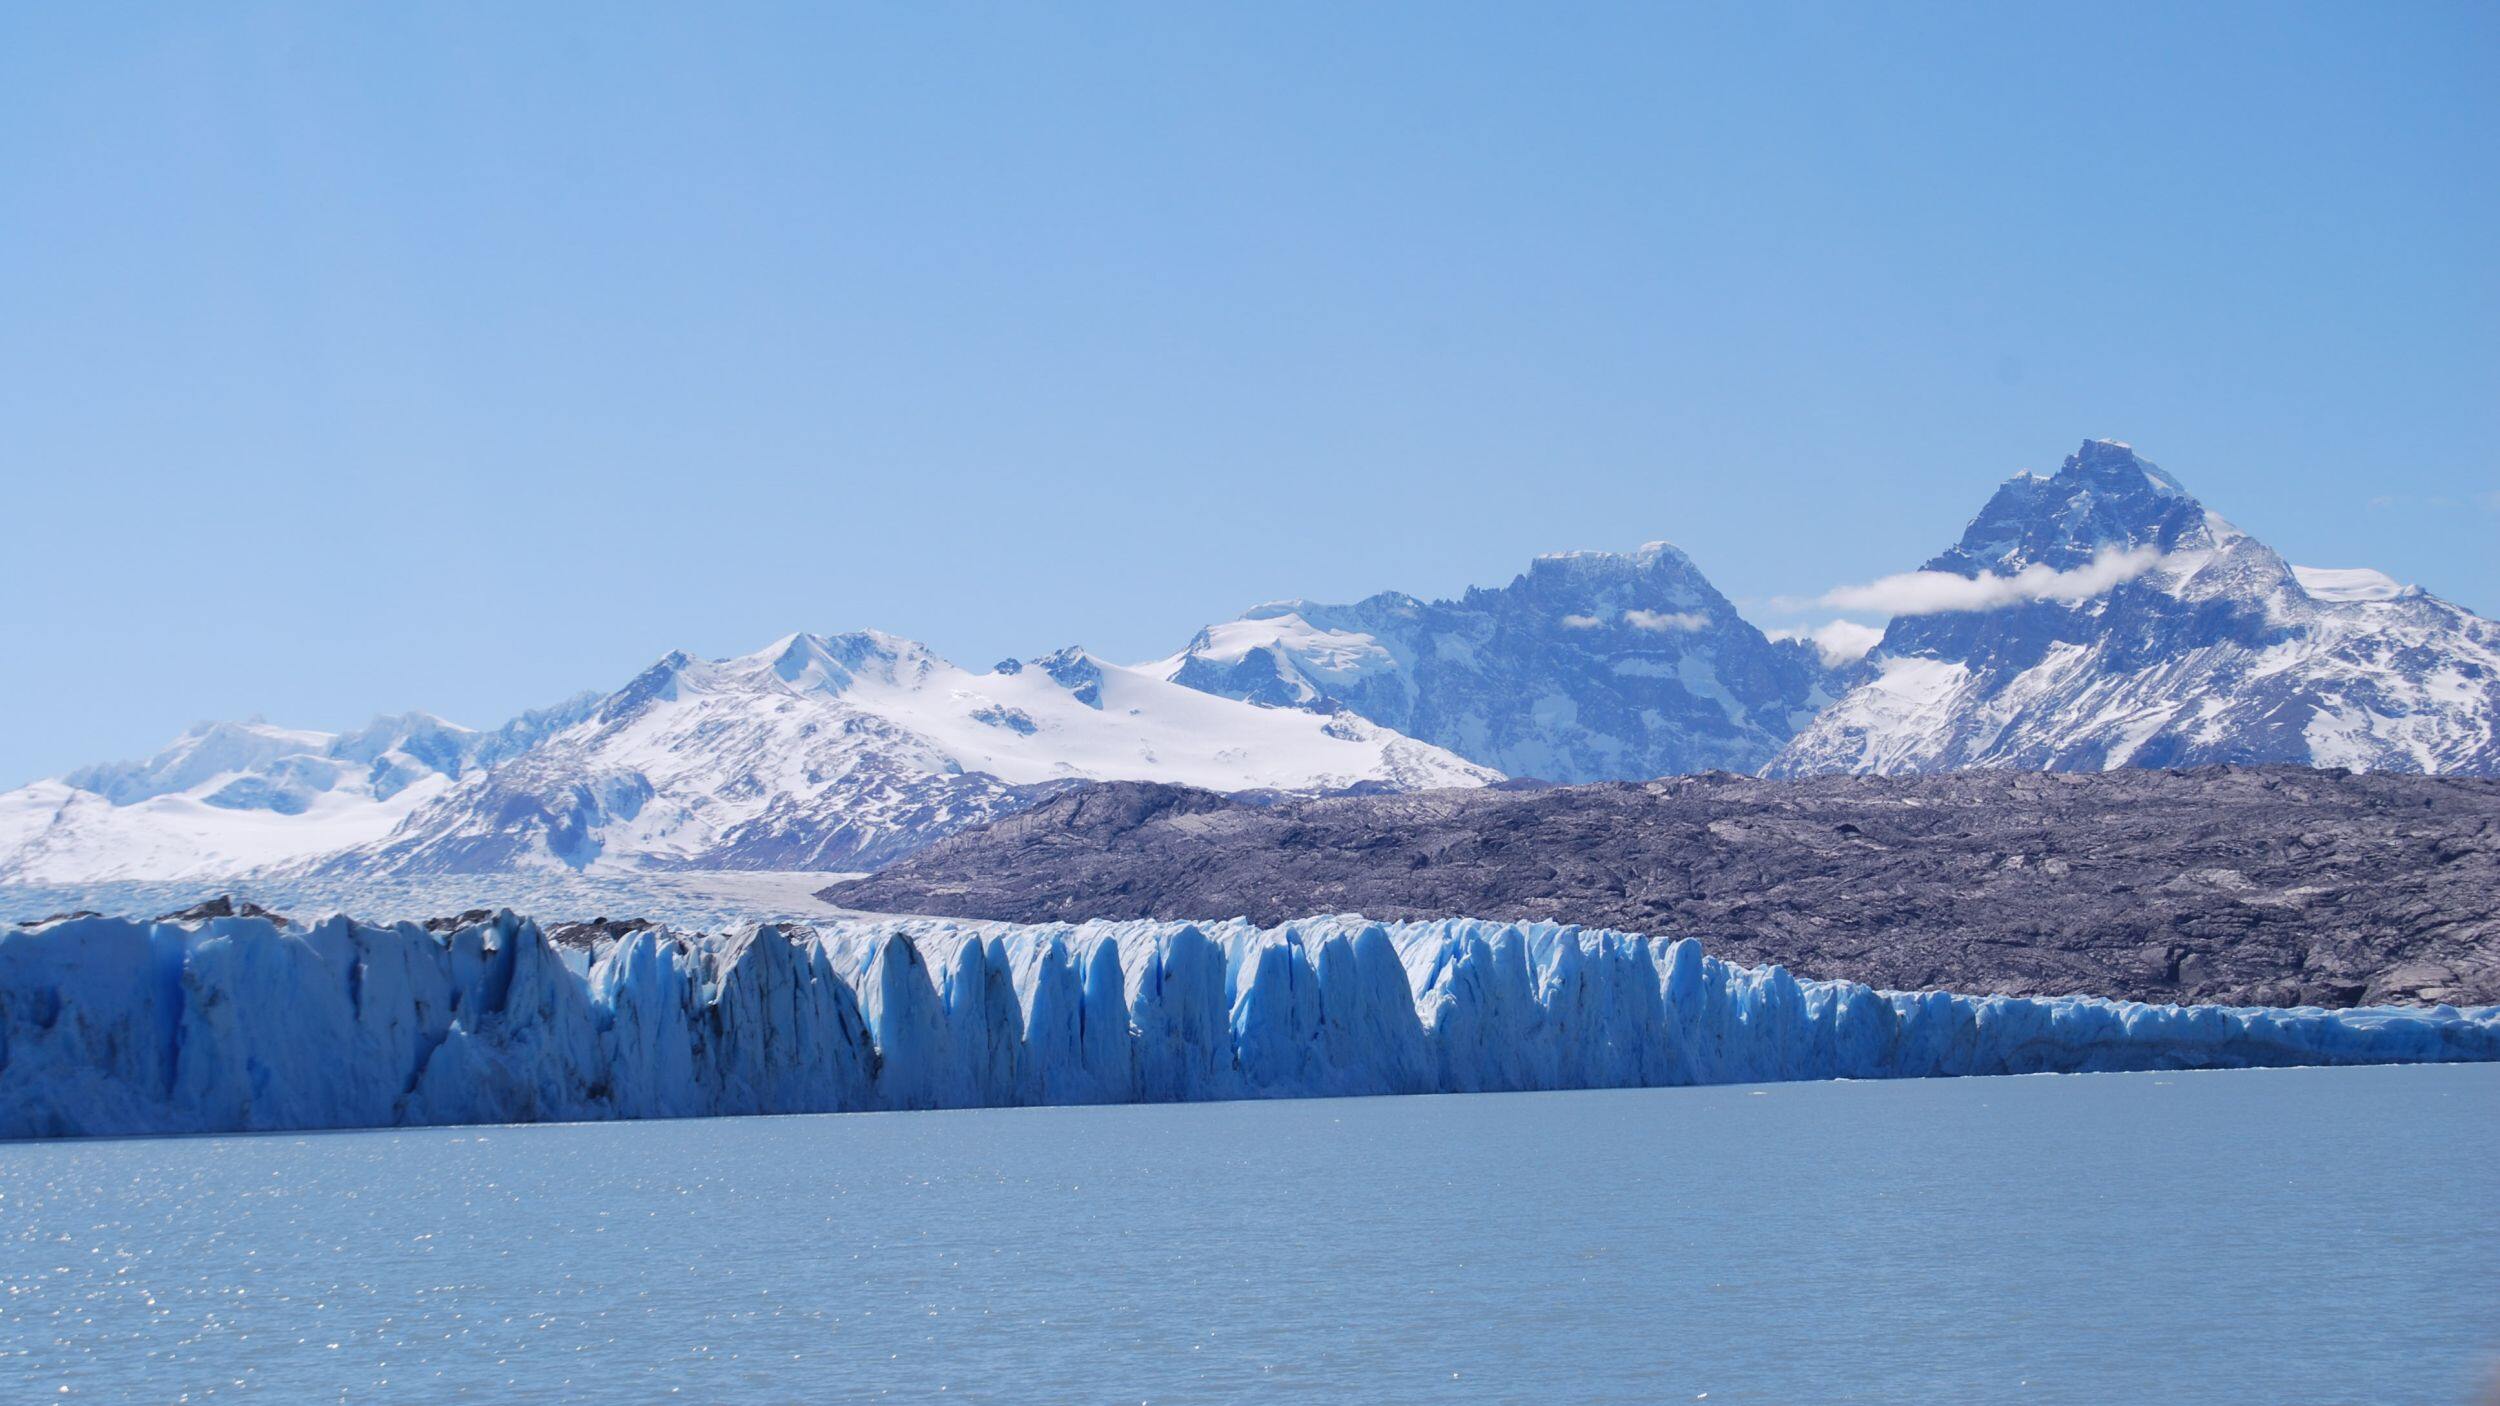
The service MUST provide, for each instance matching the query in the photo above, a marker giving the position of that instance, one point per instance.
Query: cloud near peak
(1940, 592)
(1666, 621)
(1662, 622)
(1838, 641)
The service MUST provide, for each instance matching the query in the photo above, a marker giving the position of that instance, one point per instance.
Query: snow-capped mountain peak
(2211, 648)
(1588, 666)
(204, 752)
(840, 751)
(815, 752)
(231, 797)
(2100, 616)
(2104, 497)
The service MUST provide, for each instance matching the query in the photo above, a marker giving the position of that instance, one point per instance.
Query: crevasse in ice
(110, 1026)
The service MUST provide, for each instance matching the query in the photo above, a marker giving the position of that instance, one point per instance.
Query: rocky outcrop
(2265, 885)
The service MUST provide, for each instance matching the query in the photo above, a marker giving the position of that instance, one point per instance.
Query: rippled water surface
(2261, 1236)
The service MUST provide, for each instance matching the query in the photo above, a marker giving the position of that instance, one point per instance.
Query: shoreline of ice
(112, 1026)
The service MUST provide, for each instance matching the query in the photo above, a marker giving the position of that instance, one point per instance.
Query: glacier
(110, 1026)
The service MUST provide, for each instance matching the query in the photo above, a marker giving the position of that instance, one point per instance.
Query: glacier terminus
(118, 1027)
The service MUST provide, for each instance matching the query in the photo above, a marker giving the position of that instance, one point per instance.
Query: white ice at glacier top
(111, 1026)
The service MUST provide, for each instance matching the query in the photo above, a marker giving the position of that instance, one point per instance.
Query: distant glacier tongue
(109, 1026)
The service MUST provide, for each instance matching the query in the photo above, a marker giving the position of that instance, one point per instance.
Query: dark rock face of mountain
(2266, 885)
(1590, 666)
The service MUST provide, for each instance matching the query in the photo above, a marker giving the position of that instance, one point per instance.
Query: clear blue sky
(460, 357)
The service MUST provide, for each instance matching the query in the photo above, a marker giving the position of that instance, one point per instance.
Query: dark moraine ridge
(2245, 885)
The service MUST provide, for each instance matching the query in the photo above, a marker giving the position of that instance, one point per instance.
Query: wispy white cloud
(1838, 641)
(1939, 592)
(1656, 621)
(1667, 622)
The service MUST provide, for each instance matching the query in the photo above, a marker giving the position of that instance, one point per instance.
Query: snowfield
(817, 752)
(110, 1026)
(54, 833)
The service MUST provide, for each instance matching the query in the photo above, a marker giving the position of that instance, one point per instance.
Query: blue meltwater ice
(111, 1026)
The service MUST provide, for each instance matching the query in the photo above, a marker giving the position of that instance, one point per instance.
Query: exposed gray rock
(224, 905)
(596, 933)
(2265, 885)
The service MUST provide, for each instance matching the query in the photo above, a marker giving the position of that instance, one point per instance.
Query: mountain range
(817, 752)
(2096, 618)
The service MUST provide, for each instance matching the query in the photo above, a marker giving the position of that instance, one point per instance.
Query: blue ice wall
(109, 1026)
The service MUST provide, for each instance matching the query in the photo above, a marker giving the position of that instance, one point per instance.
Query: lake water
(2263, 1236)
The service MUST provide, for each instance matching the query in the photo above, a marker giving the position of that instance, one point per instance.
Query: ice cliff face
(2205, 647)
(1592, 666)
(817, 752)
(109, 1026)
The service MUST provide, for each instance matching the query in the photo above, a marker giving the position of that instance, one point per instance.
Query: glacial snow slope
(818, 753)
(109, 1026)
(840, 752)
(2204, 647)
(1591, 666)
(226, 798)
